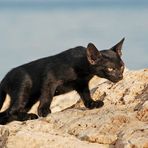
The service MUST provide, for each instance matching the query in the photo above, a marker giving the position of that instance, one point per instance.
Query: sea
(30, 30)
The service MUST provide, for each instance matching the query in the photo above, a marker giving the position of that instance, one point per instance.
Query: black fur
(47, 77)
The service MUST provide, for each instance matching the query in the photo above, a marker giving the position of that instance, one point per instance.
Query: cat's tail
(2, 95)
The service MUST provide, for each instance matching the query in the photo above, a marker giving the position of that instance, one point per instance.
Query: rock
(135, 135)
(127, 91)
(42, 134)
(4, 133)
(121, 123)
(96, 137)
(142, 114)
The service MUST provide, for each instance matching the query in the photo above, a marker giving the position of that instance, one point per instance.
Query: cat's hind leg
(19, 99)
(47, 93)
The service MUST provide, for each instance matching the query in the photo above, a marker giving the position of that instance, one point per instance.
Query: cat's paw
(94, 104)
(22, 116)
(32, 116)
(44, 111)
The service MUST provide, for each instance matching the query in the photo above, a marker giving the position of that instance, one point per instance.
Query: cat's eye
(110, 69)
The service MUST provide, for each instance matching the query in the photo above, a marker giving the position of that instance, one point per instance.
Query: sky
(73, 4)
(84, 1)
(28, 32)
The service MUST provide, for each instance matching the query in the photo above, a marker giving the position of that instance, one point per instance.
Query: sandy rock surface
(121, 123)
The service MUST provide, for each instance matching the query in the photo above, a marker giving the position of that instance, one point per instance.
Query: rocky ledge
(121, 123)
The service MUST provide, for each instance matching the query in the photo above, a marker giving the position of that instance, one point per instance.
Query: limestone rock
(4, 133)
(142, 114)
(121, 123)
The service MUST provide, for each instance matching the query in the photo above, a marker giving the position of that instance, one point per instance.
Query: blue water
(29, 31)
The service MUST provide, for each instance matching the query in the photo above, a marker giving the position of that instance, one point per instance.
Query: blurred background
(32, 29)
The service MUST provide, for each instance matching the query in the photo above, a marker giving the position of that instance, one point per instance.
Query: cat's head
(106, 63)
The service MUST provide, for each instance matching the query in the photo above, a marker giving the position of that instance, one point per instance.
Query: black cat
(47, 77)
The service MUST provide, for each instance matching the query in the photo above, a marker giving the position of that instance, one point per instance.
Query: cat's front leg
(84, 92)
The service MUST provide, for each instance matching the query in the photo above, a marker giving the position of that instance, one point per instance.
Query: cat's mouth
(115, 80)
(111, 78)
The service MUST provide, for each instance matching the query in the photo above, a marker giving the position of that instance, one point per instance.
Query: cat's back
(71, 55)
(67, 57)
(75, 52)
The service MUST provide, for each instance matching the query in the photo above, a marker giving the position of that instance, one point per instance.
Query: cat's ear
(117, 48)
(93, 54)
